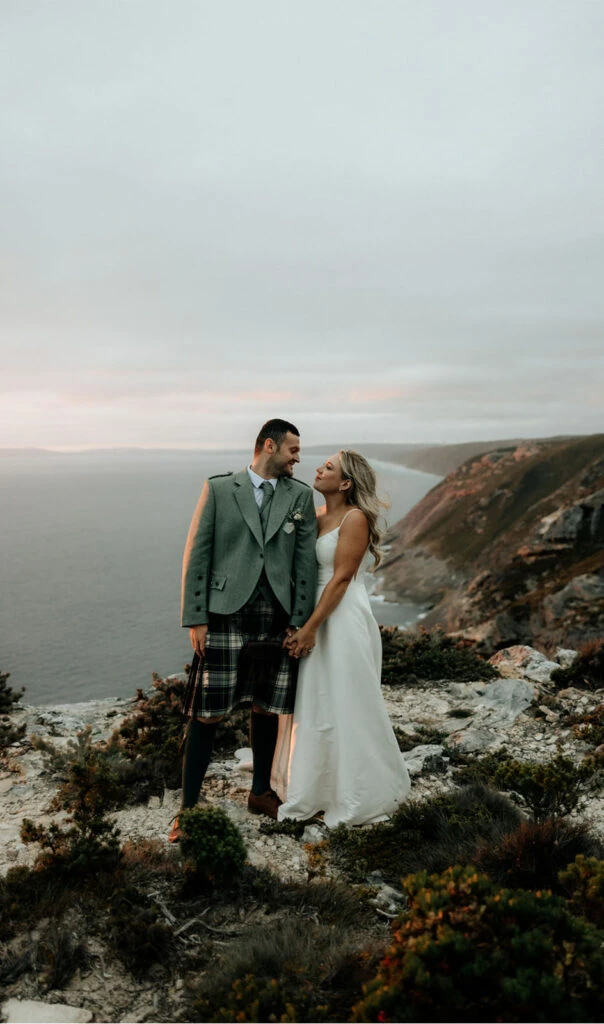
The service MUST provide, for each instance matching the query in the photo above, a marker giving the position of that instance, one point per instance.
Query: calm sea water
(90, 554)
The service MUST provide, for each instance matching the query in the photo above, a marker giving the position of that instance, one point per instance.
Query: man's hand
(302, 642)
(289, 636)
(198, 635)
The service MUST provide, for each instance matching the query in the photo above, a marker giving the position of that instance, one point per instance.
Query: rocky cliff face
(510, 546)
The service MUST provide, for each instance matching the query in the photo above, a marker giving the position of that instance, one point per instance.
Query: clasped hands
(299, 642)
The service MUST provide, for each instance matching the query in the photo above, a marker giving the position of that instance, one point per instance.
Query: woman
(339, 755)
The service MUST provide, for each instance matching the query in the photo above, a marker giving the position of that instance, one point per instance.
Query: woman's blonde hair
(363, 494)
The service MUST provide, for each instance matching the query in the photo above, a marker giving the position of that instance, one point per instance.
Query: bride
(338, 752)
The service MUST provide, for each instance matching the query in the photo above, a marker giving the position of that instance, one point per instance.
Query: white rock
(522, 660)
(415, 758)
(471, 740)
(312, 834)
(508, 697)
(565, 656)
(244, 757)
(5, 786)
(32, 1011)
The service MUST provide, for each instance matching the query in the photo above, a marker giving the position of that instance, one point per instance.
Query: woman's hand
(302, 641)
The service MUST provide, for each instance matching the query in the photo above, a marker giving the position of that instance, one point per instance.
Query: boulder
(508, 698)
(415, 758)
(565, 657)
(31, 1011)
(522, 660)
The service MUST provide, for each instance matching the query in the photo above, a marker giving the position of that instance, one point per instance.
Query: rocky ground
(513, 711)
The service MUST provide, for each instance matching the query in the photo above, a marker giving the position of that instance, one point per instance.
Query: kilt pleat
(238, 669)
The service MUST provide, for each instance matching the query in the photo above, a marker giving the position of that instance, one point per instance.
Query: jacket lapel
(279, 507)
(244, 496)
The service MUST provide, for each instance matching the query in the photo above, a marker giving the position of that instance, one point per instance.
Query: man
(249, 575)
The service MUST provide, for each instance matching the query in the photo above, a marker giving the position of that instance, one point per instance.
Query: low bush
(212, 844)
(9, 733)
(583, 883)
(590, 727)
(433, 834)
(549, 789)
(533, 856)
(85, 840)
(136, 932)
(152, 738)
(289, 970)
(425, 655)
(423, 734)
(469, 950)
(152, 734)
(586, 672)
(546, 789)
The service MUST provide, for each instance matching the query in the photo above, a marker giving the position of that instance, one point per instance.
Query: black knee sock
(197, 754)
(264, 740)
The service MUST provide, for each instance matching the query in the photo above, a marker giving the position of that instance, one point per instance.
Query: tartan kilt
(237, 670)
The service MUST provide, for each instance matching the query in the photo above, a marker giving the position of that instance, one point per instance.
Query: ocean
(90, 553)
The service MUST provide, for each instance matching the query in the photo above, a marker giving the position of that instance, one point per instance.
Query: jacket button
(198, 609)
(261, 556)
(198, 593)
(303, 582)
(200, 577)
(302, 597)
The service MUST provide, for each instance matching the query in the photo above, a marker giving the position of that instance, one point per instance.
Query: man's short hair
(276, 430)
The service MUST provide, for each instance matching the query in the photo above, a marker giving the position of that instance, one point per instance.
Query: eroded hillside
(510, 546)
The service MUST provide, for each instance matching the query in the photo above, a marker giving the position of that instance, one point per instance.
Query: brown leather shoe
(175, 834)
(268, 803)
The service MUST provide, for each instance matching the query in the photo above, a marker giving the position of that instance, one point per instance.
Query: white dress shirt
(257, 482)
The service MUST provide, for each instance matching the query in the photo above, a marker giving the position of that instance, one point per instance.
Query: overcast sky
(383, 220)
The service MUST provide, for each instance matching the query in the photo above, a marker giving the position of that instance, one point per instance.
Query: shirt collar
(259, 480)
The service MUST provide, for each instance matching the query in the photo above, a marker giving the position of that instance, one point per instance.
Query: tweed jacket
(226, 553)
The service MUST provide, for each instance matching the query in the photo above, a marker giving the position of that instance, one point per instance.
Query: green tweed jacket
(225, 551)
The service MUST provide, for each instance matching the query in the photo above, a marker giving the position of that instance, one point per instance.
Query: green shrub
(471, 951)
(533, 855)
(583, 881)
(553, 788)
(152, 738)
(432, 834)
(288, 970)
(587, 670)
(212, 843)
(88, 791)
(590, 727)
(8, 698)
(136, 932)
(547, 789)
(288, 827)
(481, 769)
(152, 734)
(422, 655)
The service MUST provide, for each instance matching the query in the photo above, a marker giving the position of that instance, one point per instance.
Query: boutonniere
(293, 519)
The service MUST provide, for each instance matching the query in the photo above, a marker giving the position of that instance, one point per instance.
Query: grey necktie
(267, 497)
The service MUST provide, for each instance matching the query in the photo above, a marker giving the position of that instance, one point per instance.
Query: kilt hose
(244, 663)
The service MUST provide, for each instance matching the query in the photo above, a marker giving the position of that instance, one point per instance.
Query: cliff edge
(509, 547)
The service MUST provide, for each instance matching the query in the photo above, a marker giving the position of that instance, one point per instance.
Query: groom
(249, 575)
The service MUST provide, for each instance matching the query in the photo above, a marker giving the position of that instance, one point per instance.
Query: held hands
(300, 641)
(198, 636)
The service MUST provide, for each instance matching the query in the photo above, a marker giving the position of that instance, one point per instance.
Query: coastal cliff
(509, 547)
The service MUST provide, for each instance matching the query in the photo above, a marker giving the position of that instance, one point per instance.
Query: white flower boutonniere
(293, 519)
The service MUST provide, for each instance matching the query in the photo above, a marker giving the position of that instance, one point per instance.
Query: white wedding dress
(338, 753)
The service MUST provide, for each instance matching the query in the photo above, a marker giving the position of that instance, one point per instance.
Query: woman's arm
(352, 545)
